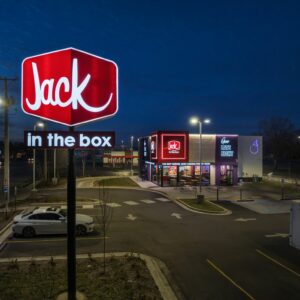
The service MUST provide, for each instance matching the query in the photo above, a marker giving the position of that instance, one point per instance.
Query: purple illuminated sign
(226, 148)
(254, 147)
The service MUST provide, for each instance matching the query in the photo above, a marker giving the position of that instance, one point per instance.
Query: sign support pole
(71, 221)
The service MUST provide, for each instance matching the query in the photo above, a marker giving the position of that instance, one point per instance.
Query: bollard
(282, 188)
(241, 195)
(217, 193)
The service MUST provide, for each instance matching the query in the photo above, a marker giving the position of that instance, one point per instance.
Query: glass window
(36, 217)
(62, 212)
(172, 170)
(185, 170)
(50, 216)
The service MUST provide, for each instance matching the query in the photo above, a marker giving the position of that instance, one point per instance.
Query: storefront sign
(66, 139)
(226, 148)
(144, 148)
(174, 146)
(153, 146)
(185, 164)
(69, 87)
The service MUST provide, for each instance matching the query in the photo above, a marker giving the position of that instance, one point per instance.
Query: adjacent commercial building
(171, 158)
(120, 158)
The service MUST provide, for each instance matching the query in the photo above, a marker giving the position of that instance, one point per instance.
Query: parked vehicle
(49, 220)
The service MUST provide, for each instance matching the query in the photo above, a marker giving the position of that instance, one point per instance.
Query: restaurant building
(170, 158)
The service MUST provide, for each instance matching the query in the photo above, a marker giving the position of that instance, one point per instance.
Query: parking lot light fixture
(194, 120)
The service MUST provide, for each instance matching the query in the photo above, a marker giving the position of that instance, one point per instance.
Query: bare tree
(279, 137)
(105, 216)
(94, 162)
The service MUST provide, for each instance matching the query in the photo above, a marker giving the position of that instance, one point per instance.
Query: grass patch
(119, 181)
(205, 206)
(125, 278)
(291, 191)
(274, 186)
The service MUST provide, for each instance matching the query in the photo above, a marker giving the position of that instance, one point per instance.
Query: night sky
(236, 62)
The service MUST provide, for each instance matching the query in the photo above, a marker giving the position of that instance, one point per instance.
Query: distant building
(120, 158)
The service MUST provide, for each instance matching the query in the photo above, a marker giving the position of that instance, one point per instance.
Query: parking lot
(241, 256)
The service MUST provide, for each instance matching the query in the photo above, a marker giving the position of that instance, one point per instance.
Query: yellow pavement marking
(277, 262)
(53, 240)
(229, 279)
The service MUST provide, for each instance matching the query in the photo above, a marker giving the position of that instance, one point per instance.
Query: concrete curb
(152, 264)
(191, 209)
(4, 233)
(226, 212)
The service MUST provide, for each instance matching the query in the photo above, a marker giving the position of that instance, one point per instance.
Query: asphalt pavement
(210, 257)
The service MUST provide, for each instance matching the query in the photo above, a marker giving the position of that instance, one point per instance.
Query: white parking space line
(148, 201)
(63, 206)
(131, 203)
(113, 204)
(162, 199)
(88, 206)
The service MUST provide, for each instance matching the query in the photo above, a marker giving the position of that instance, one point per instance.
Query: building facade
(171, 158)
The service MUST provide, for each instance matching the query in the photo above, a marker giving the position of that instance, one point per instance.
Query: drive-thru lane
(188, 244)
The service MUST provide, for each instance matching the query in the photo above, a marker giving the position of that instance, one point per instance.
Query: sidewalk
(263, 204)
(267, 207)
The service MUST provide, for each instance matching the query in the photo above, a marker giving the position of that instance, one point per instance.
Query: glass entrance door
(226, 175)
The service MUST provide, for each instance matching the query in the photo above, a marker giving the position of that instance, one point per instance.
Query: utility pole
(7, 103)
(45, 159)
(131, 148)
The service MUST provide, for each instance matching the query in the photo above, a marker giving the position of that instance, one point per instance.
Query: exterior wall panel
(250, 155)
(208, 148)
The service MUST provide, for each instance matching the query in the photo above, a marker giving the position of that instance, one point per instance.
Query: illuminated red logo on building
(174, 146)
(170, 146)
(69, 87)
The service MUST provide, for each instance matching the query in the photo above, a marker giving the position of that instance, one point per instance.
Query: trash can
(200, 198)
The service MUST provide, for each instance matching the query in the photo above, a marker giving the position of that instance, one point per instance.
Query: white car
(49, 220)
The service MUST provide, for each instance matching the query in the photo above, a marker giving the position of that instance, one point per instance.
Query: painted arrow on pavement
(131, 217)
(282, 235)
(178, 216)
(245, 219)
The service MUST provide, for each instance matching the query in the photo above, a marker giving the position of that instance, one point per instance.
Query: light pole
(45, 157)
(195, 121)
(131, 170)
(6, 103)
(54, 179)
(41, 125)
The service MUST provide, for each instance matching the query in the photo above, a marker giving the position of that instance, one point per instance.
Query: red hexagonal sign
(69, 87)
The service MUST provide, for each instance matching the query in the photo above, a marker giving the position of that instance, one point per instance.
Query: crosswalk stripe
(113, 204)
(147, 201)
(87, 206)
(162, 199)
(131, 203)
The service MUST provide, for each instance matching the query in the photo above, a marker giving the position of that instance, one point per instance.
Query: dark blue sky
(236, 62)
